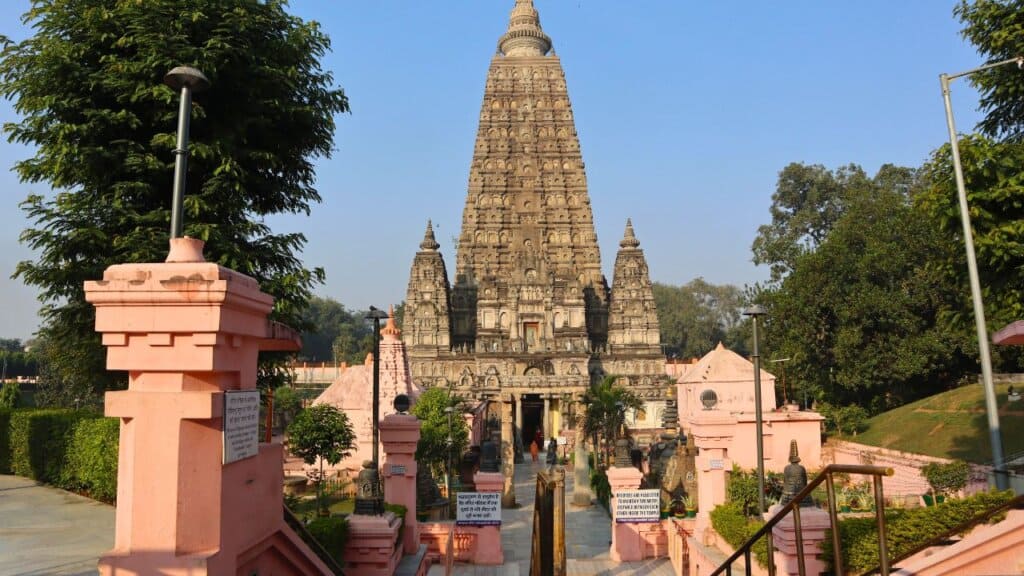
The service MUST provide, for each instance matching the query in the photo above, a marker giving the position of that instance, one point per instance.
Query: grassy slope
(951, 425)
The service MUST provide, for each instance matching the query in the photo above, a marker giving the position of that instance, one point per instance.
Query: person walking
(534, 450)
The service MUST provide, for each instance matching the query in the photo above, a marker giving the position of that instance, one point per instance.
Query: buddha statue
(794, 479)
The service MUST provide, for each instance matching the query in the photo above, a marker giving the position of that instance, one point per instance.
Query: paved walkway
(588, 534)
(44, 530)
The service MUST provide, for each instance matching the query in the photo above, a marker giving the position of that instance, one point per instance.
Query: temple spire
(629, 238)
(524, 36)
(429, 242)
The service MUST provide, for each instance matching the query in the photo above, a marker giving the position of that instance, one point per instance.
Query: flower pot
(928, 500)
(691, 513)
(939, 498)
(845, 509)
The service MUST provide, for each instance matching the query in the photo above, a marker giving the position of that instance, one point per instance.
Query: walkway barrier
(548, 550)
(826, 476)
(293, 521)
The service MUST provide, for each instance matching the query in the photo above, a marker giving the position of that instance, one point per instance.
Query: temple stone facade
(529, 317)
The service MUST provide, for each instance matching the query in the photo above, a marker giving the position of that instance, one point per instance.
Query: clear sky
(686, 112)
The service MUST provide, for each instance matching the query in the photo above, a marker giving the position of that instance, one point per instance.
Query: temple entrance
(533, 422)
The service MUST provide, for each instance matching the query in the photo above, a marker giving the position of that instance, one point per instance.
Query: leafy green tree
(859, 314)
(287, 405)
(606, 405)
(319, 434)
(10, 395)
(88, 88)
(698, 315)
(433, 449)
(996, 29)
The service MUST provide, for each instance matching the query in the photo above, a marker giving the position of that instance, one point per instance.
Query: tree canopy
(433, 449)
(698, 315)
(89, 92)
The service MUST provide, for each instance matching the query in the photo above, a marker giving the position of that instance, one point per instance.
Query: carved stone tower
(529, 306)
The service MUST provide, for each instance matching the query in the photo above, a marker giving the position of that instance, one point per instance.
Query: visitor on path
(552, 457)
(534, 450)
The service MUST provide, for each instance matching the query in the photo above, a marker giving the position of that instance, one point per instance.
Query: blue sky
(686, 112)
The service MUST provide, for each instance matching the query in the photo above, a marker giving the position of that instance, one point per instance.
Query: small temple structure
(352, 392)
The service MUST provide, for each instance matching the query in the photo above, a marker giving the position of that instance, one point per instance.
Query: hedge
(332, 533)
(736, 528)
(5, 441)
(39, 442)
(905, 529)
(91, 465)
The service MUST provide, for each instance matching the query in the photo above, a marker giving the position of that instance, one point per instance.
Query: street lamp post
(186, 80)
(376, 315)
(450, 443)
(756, 312)
(972, 272)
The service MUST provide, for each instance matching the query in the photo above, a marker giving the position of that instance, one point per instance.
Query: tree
(606, 404)
(996, 29)
(10, 395)
(321, 433)
(859, 314)
(433, 449)
(287, 405)
(88, 87)
(697, 316)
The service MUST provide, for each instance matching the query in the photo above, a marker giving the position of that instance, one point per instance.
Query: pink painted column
(626, 542)
(813, 522)
(399, 434)
(489, 550)
(711, 432)
(187, 332)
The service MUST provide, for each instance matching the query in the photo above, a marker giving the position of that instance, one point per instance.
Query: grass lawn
(338, 504)
(949, 425)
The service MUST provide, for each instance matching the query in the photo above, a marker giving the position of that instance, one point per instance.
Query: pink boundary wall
(187, 331)
(994, 549)
(480, 545)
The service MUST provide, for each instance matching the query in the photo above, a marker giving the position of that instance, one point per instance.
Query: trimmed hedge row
(71, 449)
(905, 529)
(730, 522)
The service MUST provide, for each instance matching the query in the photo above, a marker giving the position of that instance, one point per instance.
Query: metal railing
(547, 556)
(295, 524)
(943, 538)
(877, 472)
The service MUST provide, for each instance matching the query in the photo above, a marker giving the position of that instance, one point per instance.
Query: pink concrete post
(813, 523)
(712, 432)
(488, 540)
(399, 434)
(627, 545)
(187, 331)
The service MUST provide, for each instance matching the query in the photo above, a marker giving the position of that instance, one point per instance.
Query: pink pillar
(399, 434)
(371, 549)
(711, 432)
(626, 542)
(489, 550)
(187, 332)
(814, 522)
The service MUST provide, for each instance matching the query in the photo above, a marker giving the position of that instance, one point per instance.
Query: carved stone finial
(390, 331)
(629, 238)
(429, 242)
(524, 36)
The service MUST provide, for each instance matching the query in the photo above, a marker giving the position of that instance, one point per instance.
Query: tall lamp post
(755, 312)
(450, 443)
(376, 315)
(186, 80)
(991, 408)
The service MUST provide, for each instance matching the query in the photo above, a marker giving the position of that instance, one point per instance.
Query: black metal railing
(548, 541)
(944, 538)
(877, 472)
(295, 524)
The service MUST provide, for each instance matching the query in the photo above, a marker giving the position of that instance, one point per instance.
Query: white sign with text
(478, 509)
(241, 424)
(638, 505)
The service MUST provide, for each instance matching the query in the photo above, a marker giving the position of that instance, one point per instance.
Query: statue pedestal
(711, 431)
(814, 522)
(399, 434)
(188, 333)
(489, 550)
(371, 549)
(627, 544)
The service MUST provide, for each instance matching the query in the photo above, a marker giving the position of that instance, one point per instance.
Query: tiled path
(588, 533)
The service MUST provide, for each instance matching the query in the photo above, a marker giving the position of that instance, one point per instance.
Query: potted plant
(945, 478)
(843, 501)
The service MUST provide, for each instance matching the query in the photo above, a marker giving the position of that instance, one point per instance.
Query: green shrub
(39, 442)
(905, 529)
(730, 522)
(602, 489)
(10, 395)
(741, 489)
(332, 533)
(91, 466)
(5, 441)
(948, 477)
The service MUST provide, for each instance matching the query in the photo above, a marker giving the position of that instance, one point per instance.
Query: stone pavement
(588, 534)
(44, 530)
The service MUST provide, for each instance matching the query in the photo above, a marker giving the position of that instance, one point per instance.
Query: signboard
(562, 440)
(241, 424)
(638, 506)
(397, 470)
(717, 464)
(478, 509)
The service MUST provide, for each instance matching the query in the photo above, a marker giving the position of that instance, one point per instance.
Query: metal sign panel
(478, 509)
(241, 424)
(638, 505)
